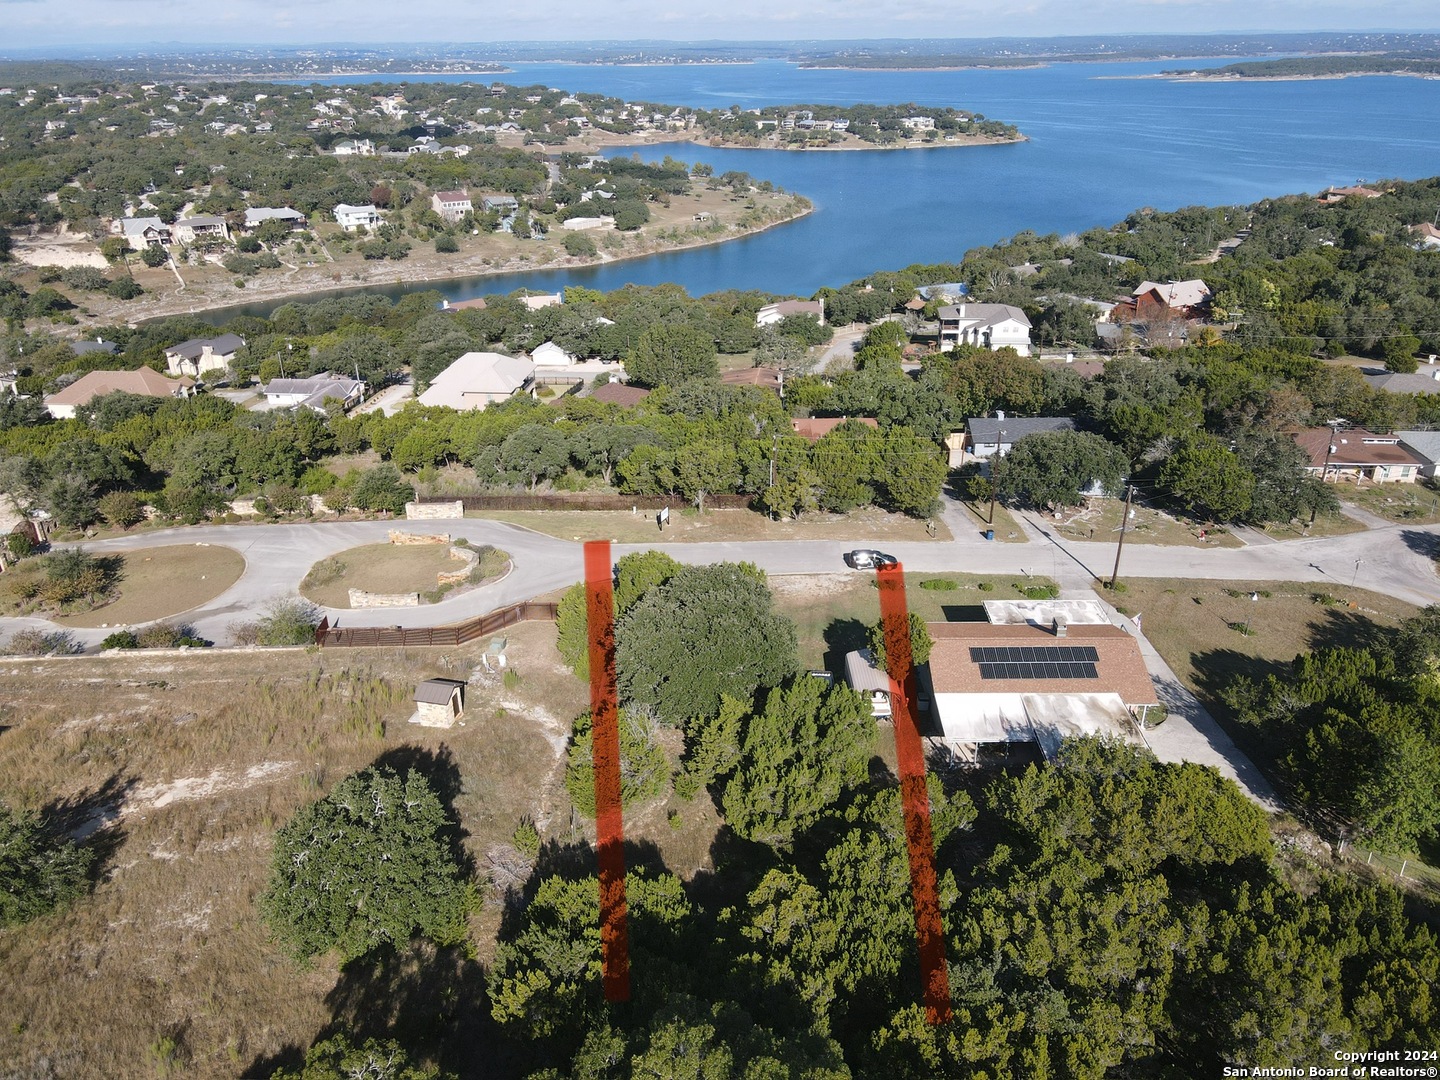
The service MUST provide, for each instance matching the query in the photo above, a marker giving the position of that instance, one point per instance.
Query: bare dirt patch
(160, 582)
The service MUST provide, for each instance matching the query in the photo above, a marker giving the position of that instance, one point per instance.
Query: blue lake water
(1102, 143)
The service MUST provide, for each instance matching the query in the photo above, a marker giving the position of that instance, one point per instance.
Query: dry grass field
(1100, 521)
(182, 767)
(155, 583)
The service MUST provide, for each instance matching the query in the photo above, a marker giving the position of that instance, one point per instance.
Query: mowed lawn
(161, 582)
(377, 568)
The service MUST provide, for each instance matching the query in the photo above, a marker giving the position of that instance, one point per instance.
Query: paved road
(1394, 560)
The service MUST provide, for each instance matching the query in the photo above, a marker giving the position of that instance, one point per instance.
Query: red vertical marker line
(915, 800)
(605, 728)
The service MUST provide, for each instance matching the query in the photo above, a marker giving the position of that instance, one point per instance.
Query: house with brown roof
(1339, 194)
(1187, 299)
(451, 205)
(771, 314)
(618, 393)
(815, 428)
(1354, 454)
(1006, 682)
(765, 377)
(147, 382)
(1426, 235)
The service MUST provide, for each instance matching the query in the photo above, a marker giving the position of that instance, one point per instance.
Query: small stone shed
(439, 702)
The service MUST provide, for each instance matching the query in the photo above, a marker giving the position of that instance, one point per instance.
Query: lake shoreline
(279, 293)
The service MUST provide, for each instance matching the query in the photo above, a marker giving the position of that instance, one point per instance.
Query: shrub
(121, 508)
(21, 544)
(39, 871)
(579, 246)
(121, 639)
(526, 839)
(35, 642)
(288, 622)
(446, 244)
(644, 771)
(1039, 592)
(154, 257)
(73, 574)
(939, 585)
(244, 632)
(985, 586)
(124, 289)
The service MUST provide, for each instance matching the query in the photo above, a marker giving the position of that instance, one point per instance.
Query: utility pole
(1124, 524)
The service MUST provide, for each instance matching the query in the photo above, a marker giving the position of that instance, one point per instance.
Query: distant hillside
(1320, 67)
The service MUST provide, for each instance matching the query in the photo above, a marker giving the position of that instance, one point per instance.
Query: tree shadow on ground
(1216, 673)
(440, 769)
(1421, 542)
(1342, 629)
(843, 636)
(572, 860)
(92, 818)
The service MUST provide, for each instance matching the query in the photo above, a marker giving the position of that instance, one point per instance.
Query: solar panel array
(1036, 661)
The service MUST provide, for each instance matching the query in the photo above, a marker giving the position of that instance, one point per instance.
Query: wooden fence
(327, 636)
(590, 502)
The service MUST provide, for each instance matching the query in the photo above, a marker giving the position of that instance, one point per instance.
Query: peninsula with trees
(223, 861)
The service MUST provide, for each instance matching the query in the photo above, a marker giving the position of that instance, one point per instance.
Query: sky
(26, 24)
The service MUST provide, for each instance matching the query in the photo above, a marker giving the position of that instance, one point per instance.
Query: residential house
(256, 216)
(618, 393)
(314, 393)
(815, 428)
(990, 326)
(147, 382)
(766, 376)
(202, 227)
(1426, 235)
(1424, 381)
(918, 123)
(99, 345)
(1354, 454)
(477, 303)
(986, 437)
(1188, 299)
(1425, 445)
(1338, 194)
(143, 232)
(350, 218)
(199, 355)
(504, 204)
(542, 300)
(478, 379)
(354, 147)
(552, 355)
(451, 205)
(1019, 678)
(771, 314)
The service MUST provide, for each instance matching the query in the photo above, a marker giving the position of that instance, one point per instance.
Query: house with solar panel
(1037, 672)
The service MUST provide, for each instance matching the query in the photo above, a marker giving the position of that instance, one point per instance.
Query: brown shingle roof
(816, 428)
(1120, 667)
(617, 393)
(145, 381)
(1354, 446)
(766, 377)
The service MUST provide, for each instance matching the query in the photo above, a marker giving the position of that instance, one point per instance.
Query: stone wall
(403, 538)
(359, 598)
(429, 511)
(471, 559)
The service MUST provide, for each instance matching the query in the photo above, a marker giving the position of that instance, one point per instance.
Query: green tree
(920, 642)
(38, 870)
(579, 246)
(705, 467)
(808, 745)
(338, 1058)
(635, 575)
(1056, 468)
(368, 867)
(1208, 478)
(121, 508)
(1399, 351)
(708, 631)
(644, 771)
(668, 354)
(288, 622)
